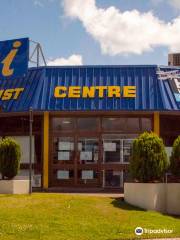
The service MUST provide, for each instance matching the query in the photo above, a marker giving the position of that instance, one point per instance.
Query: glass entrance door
(63, 161)
(88, 161)
(76, 161)
(116, 151)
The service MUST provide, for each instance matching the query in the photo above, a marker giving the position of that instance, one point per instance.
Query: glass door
(65, 150)
(88, 149)
(88, 160)
(63, 161)
(116, 150)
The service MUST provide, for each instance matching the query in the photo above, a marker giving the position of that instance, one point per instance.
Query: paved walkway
(111, 195)
(94, 192)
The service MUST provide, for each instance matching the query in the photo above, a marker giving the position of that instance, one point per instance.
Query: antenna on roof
(36, 55)
(167, 74)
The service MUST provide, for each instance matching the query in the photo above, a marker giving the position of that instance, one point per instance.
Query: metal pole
(38, 51)
(30, 148)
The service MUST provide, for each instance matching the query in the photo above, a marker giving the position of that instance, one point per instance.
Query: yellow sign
(6, 69)
(8, 94)
(14, 56)
(93, 91)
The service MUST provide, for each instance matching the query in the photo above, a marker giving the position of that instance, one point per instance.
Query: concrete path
(110, 195)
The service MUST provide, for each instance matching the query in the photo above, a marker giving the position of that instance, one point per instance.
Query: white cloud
(124, 32)
(175, 3)
(38, 3)
(41, 3)
(156, 2)
(72, 60)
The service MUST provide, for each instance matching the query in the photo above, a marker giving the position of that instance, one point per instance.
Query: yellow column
(46, 151)
(156, 123)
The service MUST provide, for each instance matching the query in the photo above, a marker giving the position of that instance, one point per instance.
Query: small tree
(10, 155)
(175, 158)
(149, 159)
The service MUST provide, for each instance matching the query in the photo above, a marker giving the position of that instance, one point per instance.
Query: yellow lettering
(7, 94)
(74, 92)
(17, 92)
(88, 92)
(114, 91)
(60, 92)
(129, 91)
(101, 90)
(1, 92)
(6, 70)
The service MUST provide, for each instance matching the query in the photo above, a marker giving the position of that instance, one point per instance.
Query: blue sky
(64, 32)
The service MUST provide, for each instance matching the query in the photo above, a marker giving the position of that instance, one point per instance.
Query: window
(127, 150)
(64, 174)
(112, 150)
(116, 149)
(64, 149)
(121, 124)
(146, 124)
(63, 124)
(114, 124)
(113, 179)
(170, 128)
(87, 124)
(125, 124)
(133, 124)
(89, 150)
(87, 176)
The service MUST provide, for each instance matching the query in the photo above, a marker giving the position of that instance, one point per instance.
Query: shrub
(9, 158)
(175, 158)
(149, 159)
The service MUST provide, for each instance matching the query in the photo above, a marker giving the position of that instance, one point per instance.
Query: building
(174, 59)
(86, 117)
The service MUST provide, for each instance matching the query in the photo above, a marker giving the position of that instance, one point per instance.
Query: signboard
(92, 88)
(87, 174)
(62, 174)
(93, 91)
(63, 156)
(66, 146)
(109, 147)
(86, 156)
(14, 57)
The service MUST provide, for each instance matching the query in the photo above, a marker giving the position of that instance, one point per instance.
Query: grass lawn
(49, 216)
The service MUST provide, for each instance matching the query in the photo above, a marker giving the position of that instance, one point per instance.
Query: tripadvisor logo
(139, 231)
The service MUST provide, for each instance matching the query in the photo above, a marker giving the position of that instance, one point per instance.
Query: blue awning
(152, 93)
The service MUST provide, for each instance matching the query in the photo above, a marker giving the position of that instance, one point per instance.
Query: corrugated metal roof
(39, 85)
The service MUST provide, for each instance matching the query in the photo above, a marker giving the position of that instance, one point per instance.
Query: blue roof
(39, 84)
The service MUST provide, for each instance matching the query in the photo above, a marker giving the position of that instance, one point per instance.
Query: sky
(95, 32)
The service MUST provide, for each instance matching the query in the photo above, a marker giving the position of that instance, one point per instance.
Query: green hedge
(10, 155)
(149, 159)
(175, 158)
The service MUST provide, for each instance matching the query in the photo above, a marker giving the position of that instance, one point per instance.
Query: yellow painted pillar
(46, 151)
(156, 123)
